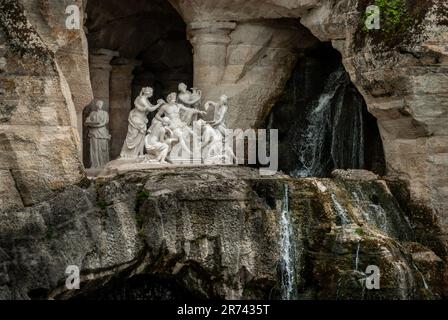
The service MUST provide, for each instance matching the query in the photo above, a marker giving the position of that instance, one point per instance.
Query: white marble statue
(134, 144)
(158, 142)
(169, 114)
(99, 136)
(220, 112)
(214, 149)
(190, 99)
(175, 136)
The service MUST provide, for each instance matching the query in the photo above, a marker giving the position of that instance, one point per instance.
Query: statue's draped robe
(135, 140)
(99, 139)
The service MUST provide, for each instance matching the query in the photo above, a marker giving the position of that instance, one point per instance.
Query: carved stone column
(210, 40)
(100, 70)
(120, 102)
(250, 62)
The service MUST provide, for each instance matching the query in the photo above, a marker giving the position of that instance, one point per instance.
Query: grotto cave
(362, 177)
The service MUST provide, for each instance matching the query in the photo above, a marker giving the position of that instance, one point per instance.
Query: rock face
(215, 233)
(251, 61)
(246, 49)
(322, 120)
(402, 77)
(403, 80)
(38, 139)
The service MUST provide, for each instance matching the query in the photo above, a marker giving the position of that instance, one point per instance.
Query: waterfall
(334, 134)
(389, 219)
(289, 290)
(357, 256)
(340, 211)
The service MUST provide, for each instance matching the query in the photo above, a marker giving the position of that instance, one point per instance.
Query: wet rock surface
(215, 233)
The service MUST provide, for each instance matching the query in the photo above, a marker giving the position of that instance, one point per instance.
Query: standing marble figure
(191, 100)
(134, 144)
(99, 136)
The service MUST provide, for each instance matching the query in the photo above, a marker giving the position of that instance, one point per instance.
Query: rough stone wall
(39, 143)
(217, 233)
(250, 62)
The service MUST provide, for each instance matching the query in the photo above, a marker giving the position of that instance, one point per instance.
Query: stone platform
(121, 166)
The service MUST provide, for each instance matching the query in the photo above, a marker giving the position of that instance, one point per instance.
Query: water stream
(334, 134)
(289, 288)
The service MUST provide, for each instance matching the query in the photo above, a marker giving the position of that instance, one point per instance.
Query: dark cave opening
(140, 287)
(149, 38)
(323, 120)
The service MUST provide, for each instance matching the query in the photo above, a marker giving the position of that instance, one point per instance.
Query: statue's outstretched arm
(152, 108)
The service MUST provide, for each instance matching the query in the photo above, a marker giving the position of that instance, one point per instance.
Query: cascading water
(340, 211)
(357, 256)
(289, 289)
(386, 218)
(334, 134)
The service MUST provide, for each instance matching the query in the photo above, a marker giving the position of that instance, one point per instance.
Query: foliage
(395, 22)
(394, 16)
(359, 232)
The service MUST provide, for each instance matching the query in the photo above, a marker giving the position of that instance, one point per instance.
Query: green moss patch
(400, 23)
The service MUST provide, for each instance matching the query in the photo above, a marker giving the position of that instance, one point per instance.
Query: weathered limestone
(75, 53)
(69, 47)
(120, 101)
(9, 195)
(39, 143)
(216, 231)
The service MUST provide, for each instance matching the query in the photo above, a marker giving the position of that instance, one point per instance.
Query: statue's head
(147, 91)
(182, 87)
(100, 104)
(223, 99)
(172, 97)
